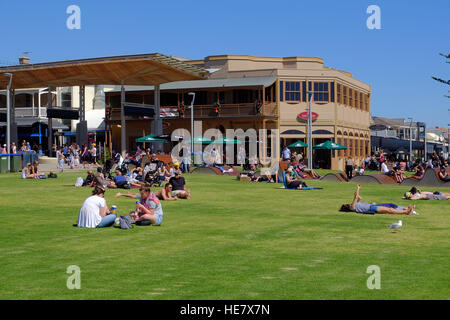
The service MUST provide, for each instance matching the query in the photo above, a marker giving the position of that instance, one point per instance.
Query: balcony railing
(30, 112)
(226, 110)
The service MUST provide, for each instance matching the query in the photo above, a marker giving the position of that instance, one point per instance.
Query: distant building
(393, 137)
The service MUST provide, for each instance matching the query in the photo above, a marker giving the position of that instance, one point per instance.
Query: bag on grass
(125, 222)
(52, 175)
(79, 182)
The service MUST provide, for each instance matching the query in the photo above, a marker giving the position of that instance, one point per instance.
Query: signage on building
(304, 116)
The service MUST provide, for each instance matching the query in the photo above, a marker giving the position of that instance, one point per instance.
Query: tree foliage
(447, 82)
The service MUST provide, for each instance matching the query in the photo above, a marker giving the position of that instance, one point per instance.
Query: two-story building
(245, 92)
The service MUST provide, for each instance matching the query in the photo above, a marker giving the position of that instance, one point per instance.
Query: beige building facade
(340, 102)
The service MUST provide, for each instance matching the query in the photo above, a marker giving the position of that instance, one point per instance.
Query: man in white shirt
(385, 169)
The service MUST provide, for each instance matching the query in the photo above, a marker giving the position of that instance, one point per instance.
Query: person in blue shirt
(286, 153)
(119, 179)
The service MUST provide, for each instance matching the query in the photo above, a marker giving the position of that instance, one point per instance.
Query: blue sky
(397, 61)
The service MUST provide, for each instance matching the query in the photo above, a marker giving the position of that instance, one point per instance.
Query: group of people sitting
(420, 167)
(31, 171)
(94, 212)
(397, 172)
(175, 185)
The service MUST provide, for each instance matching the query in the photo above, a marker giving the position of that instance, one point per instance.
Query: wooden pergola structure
(142, 69)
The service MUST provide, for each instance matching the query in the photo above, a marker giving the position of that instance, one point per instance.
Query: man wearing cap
(179, 186)
(4, 149)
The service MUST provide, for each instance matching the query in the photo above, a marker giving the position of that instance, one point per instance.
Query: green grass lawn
(232, 240)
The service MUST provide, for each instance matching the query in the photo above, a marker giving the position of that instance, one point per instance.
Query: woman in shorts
(148, 209)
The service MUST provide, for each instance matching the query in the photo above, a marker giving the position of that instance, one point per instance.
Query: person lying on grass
(267, 177)
(163, 194)
(416, 194)
(94, 213)
(373, 208)
(148, 209)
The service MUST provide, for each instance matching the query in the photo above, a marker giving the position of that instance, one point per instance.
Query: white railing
(30, 112)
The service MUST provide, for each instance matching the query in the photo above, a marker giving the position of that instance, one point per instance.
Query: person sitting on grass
(162, 194)
(304, 168)
(419, 171)
(385, 169)
(120, 180)
(89, 181)
(94, 213)
(398, 174)
(100, 180)
(179, 186)
(148, 209)
(165, 193)
(416, 194)
(373, 208)
(292, 182)
(35, 168)
(27, 172)
(443, 175)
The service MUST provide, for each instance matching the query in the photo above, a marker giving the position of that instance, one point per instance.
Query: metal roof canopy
(141, 69)
(206, 84)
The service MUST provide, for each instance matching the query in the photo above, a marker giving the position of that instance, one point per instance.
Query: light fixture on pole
(410, 140)
(192, 120)
(8, 118)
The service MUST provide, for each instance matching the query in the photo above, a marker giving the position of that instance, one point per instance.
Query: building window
(281, 90)
(350, 97)
(66, 100)
(367, 102)
(346, 96)
(356, 99)
(304, 91)
(331, 91)
(321, 93)
(292, 91)
(339, 94)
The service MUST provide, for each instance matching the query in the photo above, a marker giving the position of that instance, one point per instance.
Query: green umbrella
(298, 144)
(201, 140)
(329, 145)
(150, 139)
(227, 140)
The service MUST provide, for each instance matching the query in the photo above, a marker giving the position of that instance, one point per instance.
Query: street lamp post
(8, 118)
(310, 130)
(192, 120)
(410, 140)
